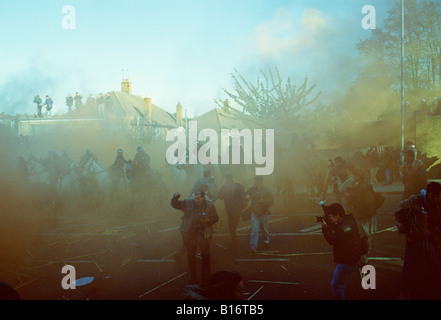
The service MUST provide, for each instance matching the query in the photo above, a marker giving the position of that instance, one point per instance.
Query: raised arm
(176, 203)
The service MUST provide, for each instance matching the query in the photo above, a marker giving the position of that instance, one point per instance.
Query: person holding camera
(341, 231)
(196, 229)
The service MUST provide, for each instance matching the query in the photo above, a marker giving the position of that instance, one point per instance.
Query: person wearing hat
(141, 159)
(261, 200)
(196, 229)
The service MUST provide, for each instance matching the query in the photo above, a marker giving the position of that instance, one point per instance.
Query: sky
(175, 50)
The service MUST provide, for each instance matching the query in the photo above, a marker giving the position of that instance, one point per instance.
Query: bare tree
(270, 98)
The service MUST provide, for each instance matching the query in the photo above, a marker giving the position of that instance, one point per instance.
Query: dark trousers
(192, 243)
(233, 222)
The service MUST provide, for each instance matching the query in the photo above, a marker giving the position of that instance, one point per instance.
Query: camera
(202, 216)
(321, 218)
(202, 226)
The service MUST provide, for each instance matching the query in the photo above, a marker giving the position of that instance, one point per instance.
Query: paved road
(130, 257)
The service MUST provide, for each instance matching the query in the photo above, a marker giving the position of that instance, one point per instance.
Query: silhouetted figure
(428, 201)
(420, 276)
(39, 103)
(100, 103)
(69, 102)
(233, 195)
(116, 170)
(413, 175)
(78, 102)
(49, 104)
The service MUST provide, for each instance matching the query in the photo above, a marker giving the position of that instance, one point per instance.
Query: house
(122, 109)
(227, 118)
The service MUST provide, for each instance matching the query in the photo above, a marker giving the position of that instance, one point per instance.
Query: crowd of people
(348, 224)
(351, 221)
(53, 168)
(96, 105)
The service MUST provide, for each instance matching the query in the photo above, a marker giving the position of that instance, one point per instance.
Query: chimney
(126, 86)
(148, 109)
(227, 105)
(179, 113)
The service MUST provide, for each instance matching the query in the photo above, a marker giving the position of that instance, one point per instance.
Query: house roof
(227, 118)
(133, 105)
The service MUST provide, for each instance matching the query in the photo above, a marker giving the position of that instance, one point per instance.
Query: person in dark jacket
(341, 231)
(141, 159)
(197, 229)
(39, 102)
(428, 201)
(232, 193)
(421, 273)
